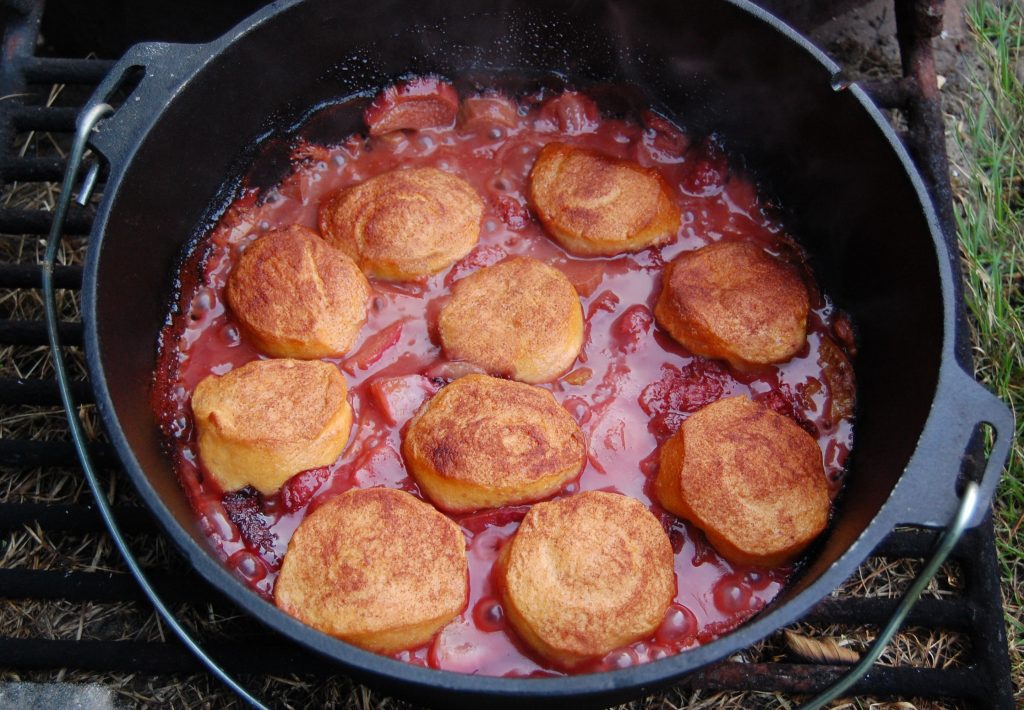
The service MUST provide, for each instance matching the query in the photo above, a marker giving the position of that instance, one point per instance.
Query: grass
(990, 221)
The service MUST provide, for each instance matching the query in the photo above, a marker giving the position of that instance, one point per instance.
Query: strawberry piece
(704, 179)
(298, 490)
(514, 212)
(744, 196)
(476, 523)
(579, 408)
(782, 400)
(708, 171)
(480, 257)
(631, 327)
(605, 301)
(679, 393)
(488, 110)
(310, 152)
(381, 466)
(572, 112)
(374, 348)
(703, 552)
(662, 141)
(424, 102)
(399, 397)
(452, 370)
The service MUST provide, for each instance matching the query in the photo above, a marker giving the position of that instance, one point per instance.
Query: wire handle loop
(950, 536)
(86, 122)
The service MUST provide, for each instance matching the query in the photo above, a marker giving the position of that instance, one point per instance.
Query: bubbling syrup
(630, 388)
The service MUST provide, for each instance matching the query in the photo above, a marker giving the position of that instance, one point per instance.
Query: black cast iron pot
(854, 201)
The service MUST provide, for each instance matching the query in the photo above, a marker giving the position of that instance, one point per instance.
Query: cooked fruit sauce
(630, 388)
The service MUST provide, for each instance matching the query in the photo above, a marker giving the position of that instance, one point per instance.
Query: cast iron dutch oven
(853, 200)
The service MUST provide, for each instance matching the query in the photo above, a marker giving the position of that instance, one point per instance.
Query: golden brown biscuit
(585, 575)
(294, 296)
(595, 204)
(483, 442)
(267, 420)
(378, 568)
(751, 479)
(404, 224)
(734, 301)
(519, 318)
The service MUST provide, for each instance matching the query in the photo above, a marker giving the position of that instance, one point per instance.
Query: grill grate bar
(262, 657)
(74, 518)
(45, 118)
(33, 169)
(950, 614)
(909, 543)
(31, 332)
(31, 276)
(988, 628)
(886, 681)
(16, 221)
(26, 453)
(268, 657)
(50, 70)
(40, 392)
(99, 586)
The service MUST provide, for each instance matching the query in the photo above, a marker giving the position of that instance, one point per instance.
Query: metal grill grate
(969, 607)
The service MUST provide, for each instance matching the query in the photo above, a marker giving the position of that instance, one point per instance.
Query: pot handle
(954, 436)
(159, 70)
(925, 496)
(87, 121)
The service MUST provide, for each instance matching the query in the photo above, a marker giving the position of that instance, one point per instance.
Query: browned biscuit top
(404, 224)
(267, 420)
(752, 479)
(519, 318)
(595, 204)
(267, 401)
(586, 574)
(733, 300)
(376, 567)
(295, 296)
(493, 432)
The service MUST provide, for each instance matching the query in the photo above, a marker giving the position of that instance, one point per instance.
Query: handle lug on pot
(161, 70)
(925, 495)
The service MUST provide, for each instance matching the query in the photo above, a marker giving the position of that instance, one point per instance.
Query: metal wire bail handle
(86, 122)
(950, 536)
